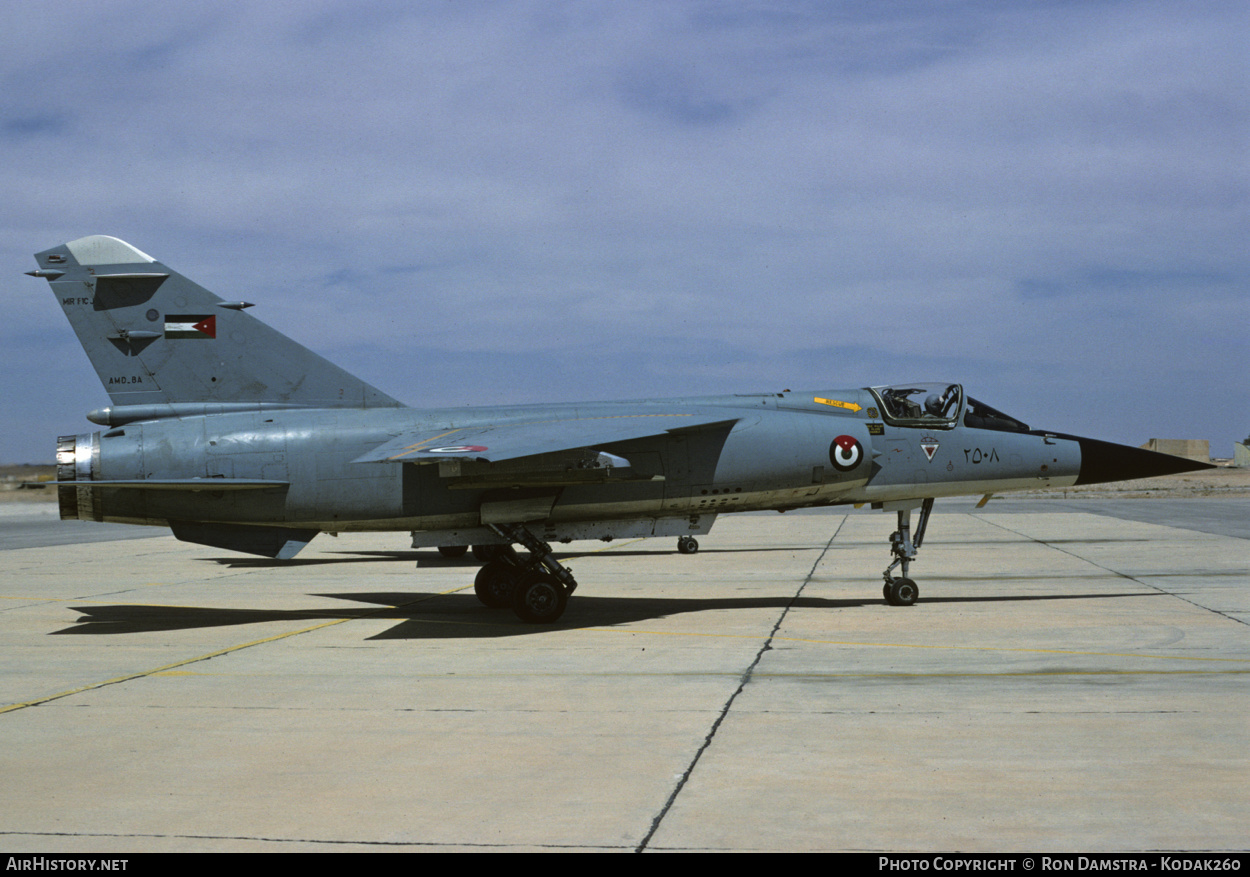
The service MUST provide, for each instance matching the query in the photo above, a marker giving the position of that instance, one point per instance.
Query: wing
(493, 443)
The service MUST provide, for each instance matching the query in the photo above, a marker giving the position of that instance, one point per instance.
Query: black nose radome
(1106, 461)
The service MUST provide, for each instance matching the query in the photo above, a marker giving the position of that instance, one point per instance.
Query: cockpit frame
(928, 405)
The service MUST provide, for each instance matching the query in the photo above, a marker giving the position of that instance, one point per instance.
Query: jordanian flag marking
(190, 325)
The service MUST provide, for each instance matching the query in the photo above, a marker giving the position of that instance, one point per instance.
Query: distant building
(1241, 453)
(1190, 449)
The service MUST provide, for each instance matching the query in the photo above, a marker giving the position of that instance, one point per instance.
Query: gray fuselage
(774, 451)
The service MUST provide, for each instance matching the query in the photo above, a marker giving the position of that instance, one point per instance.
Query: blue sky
(497, 202)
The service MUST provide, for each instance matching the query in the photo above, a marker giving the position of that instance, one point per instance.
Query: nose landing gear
(902, 591)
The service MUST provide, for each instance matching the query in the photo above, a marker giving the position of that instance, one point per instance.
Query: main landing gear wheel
(539, 598)
(687, 545)
(536, 587)
(901, 592)
(453, 551)
(495, 583)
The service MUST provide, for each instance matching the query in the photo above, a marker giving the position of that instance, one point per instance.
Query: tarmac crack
(1116, 572)
(745, 679)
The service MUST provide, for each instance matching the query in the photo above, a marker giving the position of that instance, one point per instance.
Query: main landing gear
(902, 591)
(536, 588)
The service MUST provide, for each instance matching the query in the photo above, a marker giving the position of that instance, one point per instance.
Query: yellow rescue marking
(848, 406)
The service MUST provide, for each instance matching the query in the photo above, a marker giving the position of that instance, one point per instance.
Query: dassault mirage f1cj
(234, 436)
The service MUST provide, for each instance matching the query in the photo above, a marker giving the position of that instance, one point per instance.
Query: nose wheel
(901, 590)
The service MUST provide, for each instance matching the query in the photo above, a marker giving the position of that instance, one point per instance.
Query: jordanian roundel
(845, 453)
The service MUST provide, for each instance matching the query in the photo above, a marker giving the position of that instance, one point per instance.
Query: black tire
(902, 592)
(453, 551)
(687, 545)
(495, 582)
(539, 598)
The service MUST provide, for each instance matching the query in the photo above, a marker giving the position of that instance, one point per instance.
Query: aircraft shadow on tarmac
(425, 559)
(460, 615)
(434, 560)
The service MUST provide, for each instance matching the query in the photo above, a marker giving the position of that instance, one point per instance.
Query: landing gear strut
(537, 588)
(902, 591)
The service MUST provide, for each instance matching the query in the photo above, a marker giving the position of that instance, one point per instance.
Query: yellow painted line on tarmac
(610, 547)
(168, 669)
(737, 674)
(1016, 649)
(1004, 674)
(175, 668)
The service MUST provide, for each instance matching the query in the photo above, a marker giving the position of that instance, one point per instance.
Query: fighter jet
(234, 436)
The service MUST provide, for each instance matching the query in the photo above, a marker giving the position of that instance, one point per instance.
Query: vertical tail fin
(162, 344)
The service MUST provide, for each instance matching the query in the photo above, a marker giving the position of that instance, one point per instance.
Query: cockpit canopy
(936, 405)
(940, 406)
(981, 416)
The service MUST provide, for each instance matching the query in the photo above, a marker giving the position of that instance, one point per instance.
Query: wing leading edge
(493, 443)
